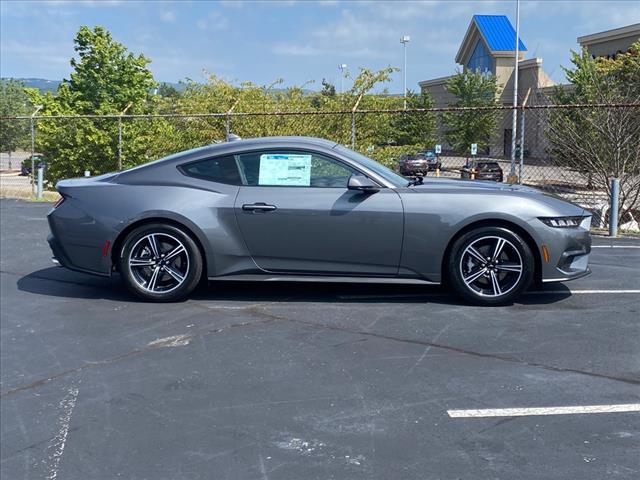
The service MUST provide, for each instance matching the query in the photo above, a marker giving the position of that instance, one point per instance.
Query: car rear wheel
(160, 263)
(490, 266)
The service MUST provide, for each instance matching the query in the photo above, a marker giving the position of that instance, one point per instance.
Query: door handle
(258, 207)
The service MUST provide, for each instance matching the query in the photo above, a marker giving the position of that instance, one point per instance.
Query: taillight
(58, 202)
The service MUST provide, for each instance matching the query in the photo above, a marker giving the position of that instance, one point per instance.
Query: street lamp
(342, 67)
(404, 40)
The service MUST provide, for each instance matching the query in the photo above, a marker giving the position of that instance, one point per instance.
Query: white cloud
(296, 50)
(214, 21)
(168, 16)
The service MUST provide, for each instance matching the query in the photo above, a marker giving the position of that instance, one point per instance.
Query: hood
(557, 205)
(472, 185)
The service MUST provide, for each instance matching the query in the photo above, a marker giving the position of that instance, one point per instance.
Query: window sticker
(285, 169)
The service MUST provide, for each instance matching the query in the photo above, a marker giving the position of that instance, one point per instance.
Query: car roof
(249, 143)
(237, 145)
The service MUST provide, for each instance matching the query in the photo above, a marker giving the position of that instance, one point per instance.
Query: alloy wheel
(491, 266)
(159, 263)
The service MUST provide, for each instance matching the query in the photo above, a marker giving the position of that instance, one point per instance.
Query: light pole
(404, 40)
(514, 118)
(342, 67)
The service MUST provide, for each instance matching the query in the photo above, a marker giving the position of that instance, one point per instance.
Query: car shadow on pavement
(60, 282)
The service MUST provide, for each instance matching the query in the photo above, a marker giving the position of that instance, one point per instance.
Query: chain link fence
(572, 151)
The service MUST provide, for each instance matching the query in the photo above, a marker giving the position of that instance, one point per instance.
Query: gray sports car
(296, 208)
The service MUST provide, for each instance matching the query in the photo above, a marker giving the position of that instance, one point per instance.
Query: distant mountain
(41, 84)
(45, 85)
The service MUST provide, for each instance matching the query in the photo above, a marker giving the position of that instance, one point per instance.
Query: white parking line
(526, 412)
(615, 246)
(564, 292)
(446, 294)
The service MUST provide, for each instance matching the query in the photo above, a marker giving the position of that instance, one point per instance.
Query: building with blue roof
(488, 46)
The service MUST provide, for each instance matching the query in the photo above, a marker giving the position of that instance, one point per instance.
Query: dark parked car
(419, 163)
(297, 208)
(482, 170)
(433, 160)
(25, 166)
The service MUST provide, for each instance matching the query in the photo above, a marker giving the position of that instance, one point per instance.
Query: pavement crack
(138, 351)
(493, 356)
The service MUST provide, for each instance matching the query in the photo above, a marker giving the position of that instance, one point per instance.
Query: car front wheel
(160, 263)
(490, 266)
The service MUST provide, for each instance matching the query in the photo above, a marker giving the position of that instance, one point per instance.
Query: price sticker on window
(285, 169)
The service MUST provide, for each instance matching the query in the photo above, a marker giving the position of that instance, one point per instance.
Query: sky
(297, 41)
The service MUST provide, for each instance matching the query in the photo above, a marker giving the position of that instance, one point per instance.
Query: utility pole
(512, 178)
(404, 40)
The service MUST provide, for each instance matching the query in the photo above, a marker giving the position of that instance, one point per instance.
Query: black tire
(177, 274)
(496, 281)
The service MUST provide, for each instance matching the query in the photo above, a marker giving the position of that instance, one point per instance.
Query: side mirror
(362, 183)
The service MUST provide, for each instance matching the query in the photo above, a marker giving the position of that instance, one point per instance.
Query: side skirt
(323, 279)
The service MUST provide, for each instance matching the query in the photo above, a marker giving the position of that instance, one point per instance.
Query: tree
(14, 133)
(462, 128)
(415, 128)
(601, 142)
(106, 79)
(328, 89)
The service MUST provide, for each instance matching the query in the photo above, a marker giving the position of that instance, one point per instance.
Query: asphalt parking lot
(307, 381)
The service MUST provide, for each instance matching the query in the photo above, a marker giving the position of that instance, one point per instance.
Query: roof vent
(232, 137)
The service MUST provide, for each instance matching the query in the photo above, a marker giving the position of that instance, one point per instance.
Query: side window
(218, 169)
(293, 169)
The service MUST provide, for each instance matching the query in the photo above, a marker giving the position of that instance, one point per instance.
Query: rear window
(218, 169)
(488, 165)
(427, 153)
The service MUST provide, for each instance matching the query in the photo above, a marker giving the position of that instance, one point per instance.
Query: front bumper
(567, 255)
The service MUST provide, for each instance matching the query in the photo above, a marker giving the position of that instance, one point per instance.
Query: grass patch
(23, 193)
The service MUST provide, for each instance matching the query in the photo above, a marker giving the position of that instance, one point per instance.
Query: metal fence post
(120, 143)
(33, 147)
(120, 136)
(521, 165)
(613, 210)
(353, 129)
(353, 120)
(228, 118)
(40, 181)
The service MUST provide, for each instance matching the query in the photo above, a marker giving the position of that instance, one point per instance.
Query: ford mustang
(307, 209)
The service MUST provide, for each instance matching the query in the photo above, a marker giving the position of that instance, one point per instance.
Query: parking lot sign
(438, 149)
(474, 149)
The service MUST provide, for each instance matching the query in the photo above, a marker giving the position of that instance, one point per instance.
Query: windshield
(386, 173)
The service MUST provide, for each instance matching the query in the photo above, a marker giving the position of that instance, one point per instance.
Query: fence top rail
(230, 114)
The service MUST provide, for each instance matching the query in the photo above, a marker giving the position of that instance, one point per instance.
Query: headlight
(563, 222)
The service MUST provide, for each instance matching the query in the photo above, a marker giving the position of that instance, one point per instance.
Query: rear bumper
(61, 259)
(77, 240)
(497, 177)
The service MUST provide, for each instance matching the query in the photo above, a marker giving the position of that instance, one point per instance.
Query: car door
(296, 214)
